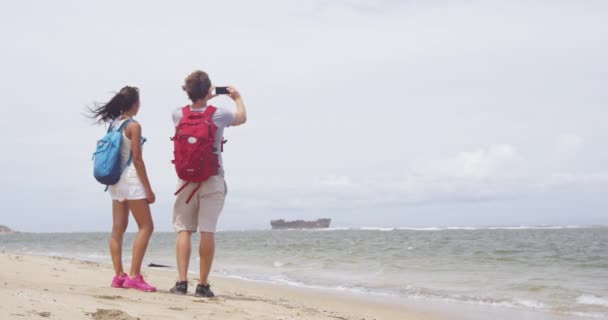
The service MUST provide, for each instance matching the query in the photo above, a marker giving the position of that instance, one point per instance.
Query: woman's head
(125, 101)
(197, 85)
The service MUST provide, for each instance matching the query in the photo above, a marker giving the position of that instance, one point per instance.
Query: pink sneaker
(138, 283)
(117, 281)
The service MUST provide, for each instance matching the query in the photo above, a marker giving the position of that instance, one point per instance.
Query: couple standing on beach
(197, 205)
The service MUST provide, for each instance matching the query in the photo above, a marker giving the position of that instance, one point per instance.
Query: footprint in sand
(109, 297)
(111, 314)
(44, 314)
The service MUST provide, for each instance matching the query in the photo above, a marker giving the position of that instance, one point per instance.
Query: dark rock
(154, 265)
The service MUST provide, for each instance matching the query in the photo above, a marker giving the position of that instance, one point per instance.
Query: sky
(372, 113)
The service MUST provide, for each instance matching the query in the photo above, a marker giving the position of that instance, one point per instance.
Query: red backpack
(195, 159)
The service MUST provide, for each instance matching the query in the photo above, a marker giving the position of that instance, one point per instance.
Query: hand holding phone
(221, 90)
(230, 91)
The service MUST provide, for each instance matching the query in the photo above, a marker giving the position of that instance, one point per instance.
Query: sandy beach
(36, 287)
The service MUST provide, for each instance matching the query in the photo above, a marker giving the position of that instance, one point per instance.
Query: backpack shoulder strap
(143, 140)
(209, 111)
(111, 126)
(186, 111)
(124, 125)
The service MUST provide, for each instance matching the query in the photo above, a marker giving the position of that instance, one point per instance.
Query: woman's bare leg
(143, 217)
(120, 220)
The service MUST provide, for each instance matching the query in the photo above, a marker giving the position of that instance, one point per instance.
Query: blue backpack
(106, 159)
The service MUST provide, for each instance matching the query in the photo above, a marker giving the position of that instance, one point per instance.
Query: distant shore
(6, 230)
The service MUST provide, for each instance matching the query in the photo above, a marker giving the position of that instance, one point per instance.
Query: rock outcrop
(5, 229)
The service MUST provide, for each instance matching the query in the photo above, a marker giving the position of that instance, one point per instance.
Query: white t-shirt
(222, 119)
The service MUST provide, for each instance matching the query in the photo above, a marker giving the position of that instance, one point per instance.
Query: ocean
(554, 270)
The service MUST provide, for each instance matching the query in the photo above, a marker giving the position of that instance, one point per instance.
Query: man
(199, 204)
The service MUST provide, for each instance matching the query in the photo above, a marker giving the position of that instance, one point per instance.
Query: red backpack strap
(181, 188)
(209, 111)
(194, 192)
(191, 194)
(186, 111)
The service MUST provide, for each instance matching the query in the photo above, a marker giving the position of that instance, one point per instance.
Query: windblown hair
(121, 102)
(197, 85)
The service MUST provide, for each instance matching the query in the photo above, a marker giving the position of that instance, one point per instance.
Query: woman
(132, 192)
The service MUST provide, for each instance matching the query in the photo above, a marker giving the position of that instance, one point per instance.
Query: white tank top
(125, 146)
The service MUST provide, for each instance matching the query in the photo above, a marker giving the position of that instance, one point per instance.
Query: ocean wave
(102, 257)
(433, 295)
(413, 293)
(282, 280)
(591, 315)
(426, 295)
(447, 228)
(279, 264)
(536, 227)
(92, 257)
(46, 254)
(533, 304)
(376, 229)
(589, 299)
(325, 229)
(421, 229)
(514, 303)
(492, 228)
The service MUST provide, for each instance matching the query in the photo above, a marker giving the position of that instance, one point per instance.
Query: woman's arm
(133, 132)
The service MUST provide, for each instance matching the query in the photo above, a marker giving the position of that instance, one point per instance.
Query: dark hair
(121, 102)
(197, 85)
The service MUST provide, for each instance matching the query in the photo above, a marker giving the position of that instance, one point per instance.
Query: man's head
(197, 85)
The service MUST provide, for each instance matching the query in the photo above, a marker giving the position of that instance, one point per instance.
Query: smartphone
(221, 90)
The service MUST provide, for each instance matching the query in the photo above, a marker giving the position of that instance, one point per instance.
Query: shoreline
(66, 288)
(446, 306)
(50, 286)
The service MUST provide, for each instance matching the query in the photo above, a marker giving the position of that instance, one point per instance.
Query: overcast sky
(373, 113)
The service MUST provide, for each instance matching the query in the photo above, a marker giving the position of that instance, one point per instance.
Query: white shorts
(129, 187)
(203, 210)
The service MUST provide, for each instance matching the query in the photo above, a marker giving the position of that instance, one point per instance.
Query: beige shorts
(203, 210)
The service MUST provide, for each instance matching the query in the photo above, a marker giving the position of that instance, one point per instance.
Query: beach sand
(37, 287)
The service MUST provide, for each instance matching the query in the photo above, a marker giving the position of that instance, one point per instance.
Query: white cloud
(567, 144)
(583, 180)
(481, 163)
(492, 172)
(467, 176)
(333, 180)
